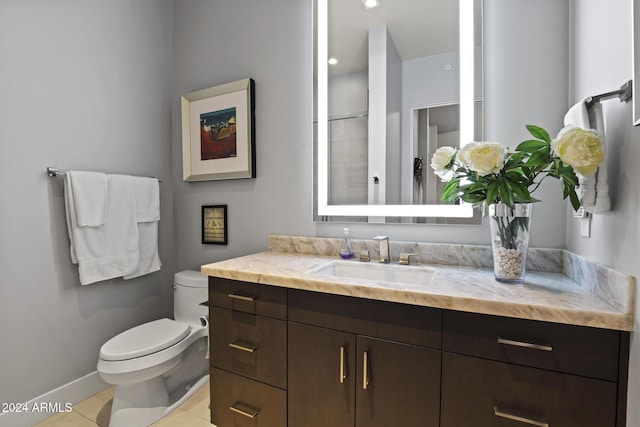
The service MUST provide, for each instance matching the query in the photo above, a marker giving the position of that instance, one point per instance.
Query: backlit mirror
(393, 81)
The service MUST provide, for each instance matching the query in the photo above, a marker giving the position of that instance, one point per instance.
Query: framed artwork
(218, 132)
(214, 225)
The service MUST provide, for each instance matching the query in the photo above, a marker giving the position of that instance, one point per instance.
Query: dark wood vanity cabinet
(483, 393)
(285, 357)
(350, 364)
(248, 348)
(500, 372)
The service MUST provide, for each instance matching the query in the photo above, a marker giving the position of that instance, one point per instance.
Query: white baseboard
(62, 399)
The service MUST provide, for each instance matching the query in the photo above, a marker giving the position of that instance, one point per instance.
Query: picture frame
(214, 225)
(218, 132)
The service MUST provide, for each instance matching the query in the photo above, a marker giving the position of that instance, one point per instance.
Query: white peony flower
(582, 149)
(486, 157)
(440, 160)
(463, 153)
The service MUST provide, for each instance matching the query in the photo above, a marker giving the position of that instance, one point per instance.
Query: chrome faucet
(383, 246)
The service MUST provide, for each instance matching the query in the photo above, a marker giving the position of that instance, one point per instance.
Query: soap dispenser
(345, 250)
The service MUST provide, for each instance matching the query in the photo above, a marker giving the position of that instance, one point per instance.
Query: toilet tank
(190, 290)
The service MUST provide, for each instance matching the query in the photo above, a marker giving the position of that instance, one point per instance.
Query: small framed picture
(218, 132)
(214, 225)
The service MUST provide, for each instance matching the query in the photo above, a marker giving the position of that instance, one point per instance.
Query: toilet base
(125, 414)
(143, 403)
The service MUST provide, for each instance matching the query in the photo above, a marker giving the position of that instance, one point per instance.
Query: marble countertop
(575, 292)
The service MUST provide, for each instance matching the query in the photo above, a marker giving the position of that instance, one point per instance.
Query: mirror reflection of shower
(348, 171)
(435, 127)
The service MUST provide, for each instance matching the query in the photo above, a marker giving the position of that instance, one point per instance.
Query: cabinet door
(485, 393)
(397, 384)
(321, 377)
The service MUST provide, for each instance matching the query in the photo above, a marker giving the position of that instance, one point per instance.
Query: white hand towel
(578, 115)
(90, 194)
(599, 180)
(111, 250)
(70, 215)
(147, 193)
(595, 190)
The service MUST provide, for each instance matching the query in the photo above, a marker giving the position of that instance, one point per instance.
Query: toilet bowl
(158, 365)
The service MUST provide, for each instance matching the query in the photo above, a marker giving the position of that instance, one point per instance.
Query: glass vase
(510, 240)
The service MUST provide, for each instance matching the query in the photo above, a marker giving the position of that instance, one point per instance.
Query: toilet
(158, 365)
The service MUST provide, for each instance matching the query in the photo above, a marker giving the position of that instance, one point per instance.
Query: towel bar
(624, 93)
(53, 172)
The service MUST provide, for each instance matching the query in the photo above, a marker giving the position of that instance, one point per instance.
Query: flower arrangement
(486, 172)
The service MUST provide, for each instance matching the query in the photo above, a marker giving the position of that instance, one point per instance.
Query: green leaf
(569, 178)
(573, 198)
(539, 160)
(516, 174)
(492, 192)
(517, 156)
(450, 191)
(531, 145)
(566, 189)
(505, 193)
(473, 198)
(539, 133)
(520, 190)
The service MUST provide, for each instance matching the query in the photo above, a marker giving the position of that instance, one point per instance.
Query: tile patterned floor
(95, 412)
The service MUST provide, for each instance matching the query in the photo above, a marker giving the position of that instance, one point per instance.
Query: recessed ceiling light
(370, 4)
(332, 61)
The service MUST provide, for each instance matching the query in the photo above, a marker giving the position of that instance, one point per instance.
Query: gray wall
(84, 85)
(602, 62)
(223, 41)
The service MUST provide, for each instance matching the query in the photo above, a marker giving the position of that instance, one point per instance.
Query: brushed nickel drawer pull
(343, 366)
(509, 416)
(365, 371)
(249, 348)
(524, 344)
(250, 413)
(241, 297)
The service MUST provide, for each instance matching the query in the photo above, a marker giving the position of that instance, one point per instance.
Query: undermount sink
(388, 273)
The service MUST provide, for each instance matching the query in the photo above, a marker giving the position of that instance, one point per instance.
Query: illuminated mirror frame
(467, 65)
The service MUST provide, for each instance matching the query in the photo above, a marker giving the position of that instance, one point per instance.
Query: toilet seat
(145, 339)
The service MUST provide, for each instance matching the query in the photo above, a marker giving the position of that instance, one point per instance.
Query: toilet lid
(144, 339)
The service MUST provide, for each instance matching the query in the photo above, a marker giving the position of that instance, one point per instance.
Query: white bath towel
(595, 188)
(147, 191)
(147, 194)
(110, 250)
(90, 194)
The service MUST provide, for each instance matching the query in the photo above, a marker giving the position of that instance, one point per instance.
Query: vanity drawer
(250, 345)
(484, 393)
(238, 401)
(265, 300)
(404, 323)
(564, 348)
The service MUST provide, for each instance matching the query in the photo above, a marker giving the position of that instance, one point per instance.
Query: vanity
(294, 343)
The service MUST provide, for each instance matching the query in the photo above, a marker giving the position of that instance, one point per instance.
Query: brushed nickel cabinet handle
(241, 297)
(249, 348)
(343, 366)
(524, 344)
(514, 417)
(249, 413)
(365, 371)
